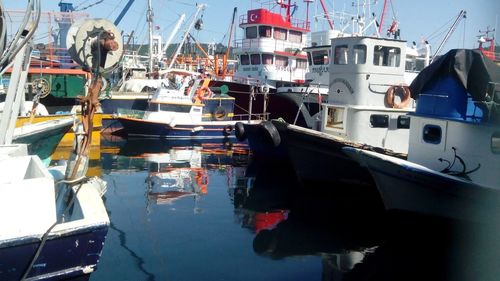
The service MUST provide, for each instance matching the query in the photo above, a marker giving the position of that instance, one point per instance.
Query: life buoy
(219, 113)
(405, 99)
(227, 130)
(203, 93)
(239, 131)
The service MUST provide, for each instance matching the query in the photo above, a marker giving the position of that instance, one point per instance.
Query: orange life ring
(203, 93)
(405, 100)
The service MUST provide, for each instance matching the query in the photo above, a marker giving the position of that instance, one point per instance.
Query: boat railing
(269, 43)
(252, 116)
(294, 23)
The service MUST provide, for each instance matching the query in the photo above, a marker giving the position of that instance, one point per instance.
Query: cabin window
(251, 32)
(302, 64)
(153, 107)
(309, 58)
(335, 118)
(403, 122)
(244, 60)
(432, 134)
(295, 36)
(359, 54)
(279, 33)
(386, 56)
(320, 57)
(255, 59)
(267, 59)
(281, 61)
(265, 31)
(379, 121)
(341, 54)
(495, 142)
(175, 107)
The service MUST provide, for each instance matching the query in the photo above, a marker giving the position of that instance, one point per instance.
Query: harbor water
(209, 211)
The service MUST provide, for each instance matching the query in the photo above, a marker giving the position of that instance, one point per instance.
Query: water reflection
(173, 205)
(356, 239)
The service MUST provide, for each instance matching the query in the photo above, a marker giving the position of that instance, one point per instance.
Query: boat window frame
(281, 57)
(263, 59)
(429, 137)
(263, 29)
(276, 35)
(170, 107)
(253, 29)
(252, 57)
(339, 52)
(301, 63)
(320, 57)
(294, 36)
(383, 57)
(245, 62)
(363, 49)
(379, 120)
(332, 118)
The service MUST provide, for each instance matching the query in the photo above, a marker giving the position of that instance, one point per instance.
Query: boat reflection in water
(293, 221)
(352, 234)
(177, 169)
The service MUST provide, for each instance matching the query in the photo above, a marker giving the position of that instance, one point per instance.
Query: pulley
(95, 43)
(41, 86)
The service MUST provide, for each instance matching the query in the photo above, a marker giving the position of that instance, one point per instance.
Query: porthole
(379, 121)
(403, 122)
(432, 134)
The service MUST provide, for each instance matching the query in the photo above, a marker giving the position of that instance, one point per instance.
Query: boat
(269, 55)
(42, 138)
(54, 219)
(64, 237)
(366, 107)
(191, 111)
(305, 100)
(453, 158)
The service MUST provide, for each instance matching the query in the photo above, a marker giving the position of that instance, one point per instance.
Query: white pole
(150, 22)
(172, 34)
(200, 7)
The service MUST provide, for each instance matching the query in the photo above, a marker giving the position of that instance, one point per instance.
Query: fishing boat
(367, 106)
(54, 219)
(454, 144)
(269, 55)
(192, 111)
(43, 138)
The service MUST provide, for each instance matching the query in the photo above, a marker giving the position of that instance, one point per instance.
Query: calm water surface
(208, 211)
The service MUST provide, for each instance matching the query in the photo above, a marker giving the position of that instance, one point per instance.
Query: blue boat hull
(141, 128)
(64, 257)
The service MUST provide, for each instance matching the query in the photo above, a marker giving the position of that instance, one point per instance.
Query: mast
(174, 31)
(150, 22)
(384, 10)
(462, 15)
(325, 10)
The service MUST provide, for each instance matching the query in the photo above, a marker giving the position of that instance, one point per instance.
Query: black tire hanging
(239, 131)
(219, 113)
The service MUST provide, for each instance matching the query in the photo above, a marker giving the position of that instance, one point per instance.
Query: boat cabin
(456, 125)
(271, 48)
(192, 102)
(365, 93)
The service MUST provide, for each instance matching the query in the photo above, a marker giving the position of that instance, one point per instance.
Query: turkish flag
(253, 16)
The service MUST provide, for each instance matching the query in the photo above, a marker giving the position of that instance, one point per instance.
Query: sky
(418, 19)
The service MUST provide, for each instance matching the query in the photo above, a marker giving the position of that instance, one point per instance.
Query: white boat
(49, 230)
(54, 222)
(454, 145)
(307, 98)
(191, 111)
(367, 105)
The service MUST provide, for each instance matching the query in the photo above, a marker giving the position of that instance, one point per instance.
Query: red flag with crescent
(253, 16)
